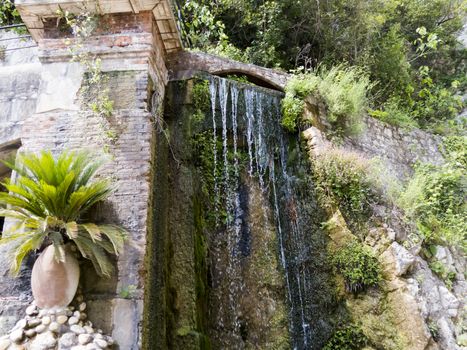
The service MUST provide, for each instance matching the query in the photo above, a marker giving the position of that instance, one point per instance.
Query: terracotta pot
(53, 283)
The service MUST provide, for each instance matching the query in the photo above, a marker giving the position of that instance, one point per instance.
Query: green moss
(348, 338)
(357, 265)
(201, 100)
(379, 321)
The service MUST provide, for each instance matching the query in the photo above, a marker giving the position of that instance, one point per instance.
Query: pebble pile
(58, 329)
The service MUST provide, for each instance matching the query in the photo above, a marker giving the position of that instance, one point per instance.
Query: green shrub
(440, 269)
(348, 338)
(8, 13)
(435, 198)
(394, 113)
(357, 265)
(342, 180)
(342, 89)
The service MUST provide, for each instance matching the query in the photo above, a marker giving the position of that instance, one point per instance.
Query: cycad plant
(47, 203)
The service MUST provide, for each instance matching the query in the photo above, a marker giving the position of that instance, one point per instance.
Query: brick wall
(44, 112)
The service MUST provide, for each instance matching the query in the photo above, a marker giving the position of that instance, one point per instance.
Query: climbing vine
(94, 92)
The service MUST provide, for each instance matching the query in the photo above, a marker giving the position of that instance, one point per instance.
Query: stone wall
(43, 110)
(19, 83)
(400, 149)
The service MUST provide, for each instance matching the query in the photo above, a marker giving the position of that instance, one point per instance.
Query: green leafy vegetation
(348, 338)
(435, 198)
(201, 99)
(342, 89)
(50, 202)
(342, 180)
(357, 265)
(440, 269)
(8, 13)
(410, 49)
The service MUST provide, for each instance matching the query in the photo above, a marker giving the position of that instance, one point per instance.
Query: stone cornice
(35, 13)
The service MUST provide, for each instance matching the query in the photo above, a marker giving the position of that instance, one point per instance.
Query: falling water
(252, 122)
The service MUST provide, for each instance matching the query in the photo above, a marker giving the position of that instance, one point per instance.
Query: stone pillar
(132, 41)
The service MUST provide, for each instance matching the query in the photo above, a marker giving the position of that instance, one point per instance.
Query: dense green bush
(435, 197)
(357, 265)
(342, 180)
(348, 338)
(390, 39)
(342, 89)
(8, 13)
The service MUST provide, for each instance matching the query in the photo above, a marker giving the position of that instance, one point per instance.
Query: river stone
(16, 336)
(46, 320)
(54, 327)
(53, 283)
(43, 341)
(62, 319)
(68, 339)
(83, 339)
(77, 329)
(30, 333)
(101, 343)
(31, 310)
(82, 306)
(88, 329)
(40, 328)
(73, 320)
(34, 322)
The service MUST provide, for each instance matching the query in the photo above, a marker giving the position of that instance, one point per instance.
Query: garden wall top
(36, 12)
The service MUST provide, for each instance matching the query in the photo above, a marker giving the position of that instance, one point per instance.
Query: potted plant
(48, 203)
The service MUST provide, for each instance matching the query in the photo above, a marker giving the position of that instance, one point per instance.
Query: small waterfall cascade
(238, 256)
(249, 142)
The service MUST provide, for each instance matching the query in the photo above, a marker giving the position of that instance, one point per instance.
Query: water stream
(255, 123)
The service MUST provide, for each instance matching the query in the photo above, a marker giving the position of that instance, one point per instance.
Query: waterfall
(255, 126)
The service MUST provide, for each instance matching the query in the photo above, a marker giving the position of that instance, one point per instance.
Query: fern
(47, 204)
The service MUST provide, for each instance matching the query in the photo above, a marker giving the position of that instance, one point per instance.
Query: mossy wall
(188, 251)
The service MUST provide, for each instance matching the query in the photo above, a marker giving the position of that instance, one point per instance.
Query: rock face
(420, 310)
(47, 329)
(53, 283)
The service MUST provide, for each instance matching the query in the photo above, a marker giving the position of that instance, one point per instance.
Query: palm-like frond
(49, 199)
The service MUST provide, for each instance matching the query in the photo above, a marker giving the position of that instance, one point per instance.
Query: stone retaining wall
(399, 148)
